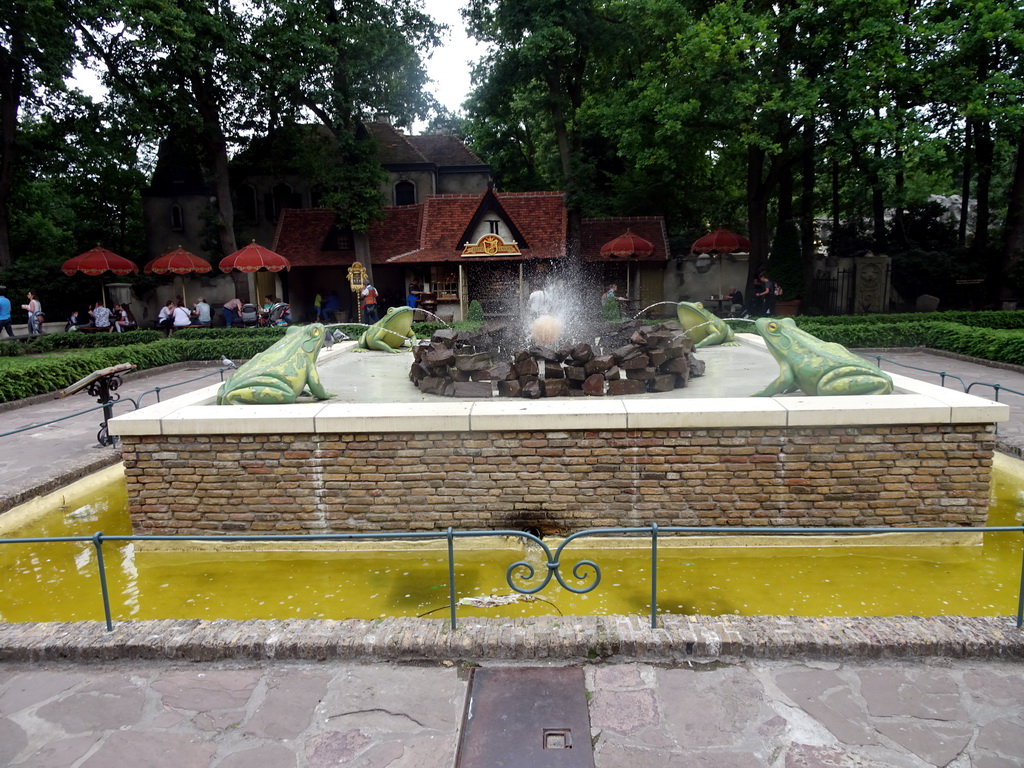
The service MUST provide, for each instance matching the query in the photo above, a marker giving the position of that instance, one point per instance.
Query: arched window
(177, 218)
(405, 193)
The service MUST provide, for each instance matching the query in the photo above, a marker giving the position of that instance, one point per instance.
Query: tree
(36, 55)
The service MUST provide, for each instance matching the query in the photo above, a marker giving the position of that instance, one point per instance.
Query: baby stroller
(250, 315)
(278, 314)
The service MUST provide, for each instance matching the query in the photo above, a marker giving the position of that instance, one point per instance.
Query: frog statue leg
(378, 341)
(316, 389)
(786, 382)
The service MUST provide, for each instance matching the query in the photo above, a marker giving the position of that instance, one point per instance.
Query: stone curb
(679, 639)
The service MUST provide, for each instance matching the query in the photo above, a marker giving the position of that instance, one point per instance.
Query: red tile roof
(540, 217)
(596, 232)
(433, 230)
(302, 234)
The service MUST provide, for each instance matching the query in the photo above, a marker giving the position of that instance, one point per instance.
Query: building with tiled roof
(444, 228)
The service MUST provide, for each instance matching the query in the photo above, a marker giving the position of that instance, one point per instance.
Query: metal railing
(135, 402)
(519, 574)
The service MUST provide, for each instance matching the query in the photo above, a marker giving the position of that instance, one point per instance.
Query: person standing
(5, 311)
(369, 295)
(35, 312)
(318, 304)
(232, 312)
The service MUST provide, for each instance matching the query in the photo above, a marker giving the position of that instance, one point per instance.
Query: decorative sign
(491, 245)
(357, 277)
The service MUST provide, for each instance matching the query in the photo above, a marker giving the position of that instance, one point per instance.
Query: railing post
(654, 575)
(97, 540)
(451, 574)
(1020, 592)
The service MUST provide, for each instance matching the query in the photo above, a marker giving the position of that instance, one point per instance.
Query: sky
(449, 67)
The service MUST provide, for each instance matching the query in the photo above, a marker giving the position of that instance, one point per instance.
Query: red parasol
(97, 261)
(178, 262)
(627, 245)
(253, 258)
(721, 241)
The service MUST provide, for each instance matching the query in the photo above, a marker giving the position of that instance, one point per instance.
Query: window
(405, 193)
(493, 226)
(177, 218)
(246, 208)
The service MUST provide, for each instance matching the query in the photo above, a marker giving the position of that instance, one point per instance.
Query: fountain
(384, 455)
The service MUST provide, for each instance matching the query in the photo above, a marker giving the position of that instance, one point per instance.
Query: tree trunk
(12, 82)
(1013, 245)
(965, 187)
(808, 228)
(836, 240)
(758, 197)
(216, 148)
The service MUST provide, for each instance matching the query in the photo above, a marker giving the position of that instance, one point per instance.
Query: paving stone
(161, 749)
(267, 756)
(13, 739)
(111, 703)
(810, 756)
(30, 688)
(60, 753)
(927, 692)
(826, 697)
(1003, 736)
(624, 711)
(289, 705)
(937, 744)
(202, 690)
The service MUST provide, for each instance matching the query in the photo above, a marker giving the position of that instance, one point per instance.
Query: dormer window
(493, 226)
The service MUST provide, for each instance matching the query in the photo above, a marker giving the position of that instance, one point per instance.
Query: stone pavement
(315, 715)
(867, 693)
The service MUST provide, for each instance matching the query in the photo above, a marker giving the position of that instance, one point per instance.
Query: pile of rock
(631, 359)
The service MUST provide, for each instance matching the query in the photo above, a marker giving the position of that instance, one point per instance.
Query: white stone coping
(915, 402)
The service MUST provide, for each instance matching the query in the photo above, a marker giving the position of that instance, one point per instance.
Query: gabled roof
(395, 148)
(304, 234)
(596, 232)
(540, 217)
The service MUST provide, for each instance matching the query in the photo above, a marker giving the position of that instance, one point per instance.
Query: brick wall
(558, 481)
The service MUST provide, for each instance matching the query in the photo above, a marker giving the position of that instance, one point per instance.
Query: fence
(586, 571)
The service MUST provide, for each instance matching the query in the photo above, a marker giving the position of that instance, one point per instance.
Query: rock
(594, 385)
(555, 387)
(533, 389)
(676, 365)
(526, 366)
(509, 388)
(581, 353)
(600, 364)
(500, 371)
(619, 387)
(472, 389)
(664, 382)
(633, 363)
(476, 362)
(576, 373)
(553, 370)
(641, 374)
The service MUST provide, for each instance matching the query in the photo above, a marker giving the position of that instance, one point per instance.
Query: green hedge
(997, 336)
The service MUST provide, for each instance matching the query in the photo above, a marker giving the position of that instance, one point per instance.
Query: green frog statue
(390, 333)
(280, 373)
(817, 367)
(702, 327)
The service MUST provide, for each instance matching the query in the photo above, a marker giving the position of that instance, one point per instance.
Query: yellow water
(59, 582)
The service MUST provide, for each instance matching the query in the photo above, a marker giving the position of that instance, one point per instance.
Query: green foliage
(476, 312)
(610, 310)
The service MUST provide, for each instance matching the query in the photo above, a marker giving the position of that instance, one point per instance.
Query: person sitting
(72, 323)
(165, 319)
(124, 319)
(181, 317)
(101, 318)
(735, 297)
(201, 312)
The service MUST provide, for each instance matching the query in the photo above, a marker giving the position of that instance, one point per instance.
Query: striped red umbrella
(627, 245)
(178, 262)
(721, 241)
(98, 260)
(253, 258)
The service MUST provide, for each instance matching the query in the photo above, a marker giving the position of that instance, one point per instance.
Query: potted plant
(786, 269)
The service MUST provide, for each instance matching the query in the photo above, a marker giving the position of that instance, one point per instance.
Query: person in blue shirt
(5, 311)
